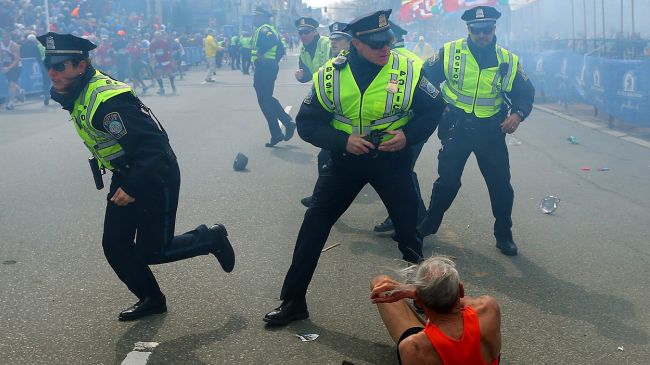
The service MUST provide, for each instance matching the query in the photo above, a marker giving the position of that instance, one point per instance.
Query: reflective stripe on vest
(102, 145)
(321, 55)
(405, 52)
(246, 42)
(270, 54)
(385, 105)
(474, 90)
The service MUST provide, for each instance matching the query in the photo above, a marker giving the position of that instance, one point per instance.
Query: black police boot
(507, 246)
(385, 226)
(275, 140)
(289, 129)
(222, 248)
(144, 307)
(290, 310)
(307, 201)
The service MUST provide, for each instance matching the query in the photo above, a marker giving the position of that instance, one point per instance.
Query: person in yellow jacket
(315, 49)
(365, 107)
(210, 47)
(489, 95)
(123, 136)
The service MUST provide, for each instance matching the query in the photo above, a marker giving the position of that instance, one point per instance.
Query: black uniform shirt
(311, 49)
(522, 93)
(313, 120)
(266, 39)
(147, 151)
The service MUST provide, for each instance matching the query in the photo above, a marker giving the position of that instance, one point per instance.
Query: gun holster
(97, 172)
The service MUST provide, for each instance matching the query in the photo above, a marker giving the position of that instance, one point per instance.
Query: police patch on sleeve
(309, 97)
(431, 60)
(114, 125)
(428, 88)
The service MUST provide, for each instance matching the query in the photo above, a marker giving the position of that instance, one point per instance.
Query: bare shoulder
(417, 349)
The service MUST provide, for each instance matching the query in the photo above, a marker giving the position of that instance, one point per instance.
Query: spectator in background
(11, 66)
(210, 47)
(31, 48)
(423, 49)
(459, 330)
(121, 55)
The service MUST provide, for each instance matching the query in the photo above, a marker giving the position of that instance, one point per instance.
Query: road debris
(549, 204)
(307, 337)
(330, 247)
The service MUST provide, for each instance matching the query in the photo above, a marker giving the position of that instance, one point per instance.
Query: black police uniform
(346, 174)
(140, 233)
(416, 149)
(266, 71)
(461, 134)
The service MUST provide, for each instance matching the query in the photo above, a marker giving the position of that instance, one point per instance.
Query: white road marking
(287, 109)
(140, 354)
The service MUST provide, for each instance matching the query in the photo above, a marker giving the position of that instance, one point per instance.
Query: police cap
(336, 30)
(262, 12)
(372, 27)
(62, 47)
(306, 23)
(399, 31)
(481, 17)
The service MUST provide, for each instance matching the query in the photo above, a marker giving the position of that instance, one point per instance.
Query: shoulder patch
(309, 97)
(520, 70)
(428, 88)
(114, 125)
(431, 60)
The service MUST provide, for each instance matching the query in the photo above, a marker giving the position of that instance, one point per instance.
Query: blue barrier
(194, 55)
(31, 78)
(621, 88)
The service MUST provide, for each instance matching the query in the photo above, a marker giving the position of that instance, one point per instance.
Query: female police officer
(145, 176)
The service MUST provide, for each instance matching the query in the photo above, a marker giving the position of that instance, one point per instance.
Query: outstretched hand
(387, 290)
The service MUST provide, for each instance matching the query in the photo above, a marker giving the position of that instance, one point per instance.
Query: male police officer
(315, 49)
(366, 109)
(267, 50)
(145, 184)
(398, 46)
(246, 41)
(339, 39)
(478, 73)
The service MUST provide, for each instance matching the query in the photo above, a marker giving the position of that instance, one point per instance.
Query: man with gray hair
(459, 330)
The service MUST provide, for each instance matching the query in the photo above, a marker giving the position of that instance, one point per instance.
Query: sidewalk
(584, 114)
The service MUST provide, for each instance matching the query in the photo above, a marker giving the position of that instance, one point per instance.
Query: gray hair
(436, 282)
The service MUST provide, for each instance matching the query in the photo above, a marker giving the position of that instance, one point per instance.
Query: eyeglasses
(304, 32)
(58, 67)
(487, 30)
(377, 44)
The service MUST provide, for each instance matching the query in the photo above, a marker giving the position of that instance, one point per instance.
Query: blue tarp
(621, 88)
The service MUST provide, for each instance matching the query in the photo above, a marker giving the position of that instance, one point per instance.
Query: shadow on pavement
(288, 154)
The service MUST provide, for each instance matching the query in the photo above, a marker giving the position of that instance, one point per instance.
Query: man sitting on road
(460, 330)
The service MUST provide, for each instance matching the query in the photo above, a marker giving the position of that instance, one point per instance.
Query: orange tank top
(464, 351)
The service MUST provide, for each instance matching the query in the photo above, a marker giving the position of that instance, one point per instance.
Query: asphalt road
(576, 294)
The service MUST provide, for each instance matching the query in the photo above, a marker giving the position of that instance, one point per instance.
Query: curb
(598, 127)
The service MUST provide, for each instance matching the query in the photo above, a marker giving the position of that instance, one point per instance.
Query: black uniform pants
(266, 71)
(245, 60)
(337, 186)
(142, 234)
(234, 57)
(484, 138)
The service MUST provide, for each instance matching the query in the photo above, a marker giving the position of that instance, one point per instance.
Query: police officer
(398, 46)
(339, 39)
(315, 49)
(234, 51)
(246, 41)
(366, 109)
(143, 195)
(480, 76)
(267, 50)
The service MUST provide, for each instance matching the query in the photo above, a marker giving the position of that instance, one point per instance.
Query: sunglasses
(304, 32)
(58, 67)
(481, 30)
(376, 45)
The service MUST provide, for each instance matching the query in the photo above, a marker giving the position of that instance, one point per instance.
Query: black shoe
(385, 226)
(144, 307)
(507, 247)
(307, 201)
(289, 129)
(222, 248)
(275, 140)
(288, 311)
